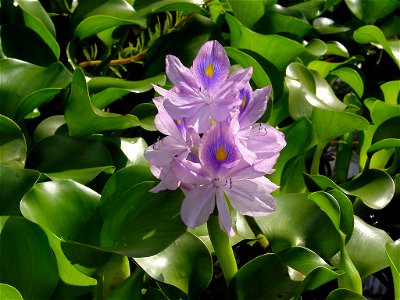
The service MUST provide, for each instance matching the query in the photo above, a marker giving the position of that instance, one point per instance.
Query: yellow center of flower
(244, 100)
(209, 71)
(178, 121)
(221, 154)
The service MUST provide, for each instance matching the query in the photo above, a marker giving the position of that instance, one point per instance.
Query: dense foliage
(77, 219)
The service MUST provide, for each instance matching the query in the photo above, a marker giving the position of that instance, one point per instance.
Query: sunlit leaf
(371, 11)
(344, 294)
(263, 277)
(186, 264)
(24, 86)
(27, 262)
(9, 292)
(248, 13)
(368, 241)
(145, 223)
(393, 253)
(336, 48)
(391, 92)
(352, 78)
(13, 148)
(328, 26)
(14, 183)
(372, 34)
(83, 118)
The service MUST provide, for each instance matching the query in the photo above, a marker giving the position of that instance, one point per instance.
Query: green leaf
(14, 183)
(328, 26)
(336, 48)
(384, 144)
(371, 11)
(372, 34)
(83, 118)
(66, 208)
(276, 49)
(344, 294)
(368, 241)
(382, 111)
(9, 292)
(393, 254)
(249, 12)
(65, 157)
(26, 259)
(391, 92)
(352, 77)
(185, 264)
(374, 187)
(316, 278)
(50, 126)
(260, 76)
(146, 9)
(146, 113)
(14, 37)
(292, 175)
(119, 184)
(142, 228)
(24, 86)
(37, 19)
(286, 227)
(107, 89)
(313, 8)
(13, 147)
(323, 121)
(265, 277)
(328, 205)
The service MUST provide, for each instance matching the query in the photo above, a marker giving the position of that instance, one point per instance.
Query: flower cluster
(214, 150)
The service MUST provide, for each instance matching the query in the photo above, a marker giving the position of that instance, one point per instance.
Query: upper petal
(211, 65)
(177, 73)
(255, 105)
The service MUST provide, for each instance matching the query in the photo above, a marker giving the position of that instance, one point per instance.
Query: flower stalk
(222, 247)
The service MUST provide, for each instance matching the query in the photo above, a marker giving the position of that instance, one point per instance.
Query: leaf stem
(222, 247)
(317, 158)
(115, 62)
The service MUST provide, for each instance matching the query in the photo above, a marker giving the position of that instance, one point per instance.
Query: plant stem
(222, 247)
(317, 158)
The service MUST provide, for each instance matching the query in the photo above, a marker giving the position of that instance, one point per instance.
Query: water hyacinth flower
(206, 92)
(214, 150)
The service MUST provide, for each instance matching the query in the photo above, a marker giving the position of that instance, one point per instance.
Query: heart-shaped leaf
(27, 261)
(145, 223)
(83, 118)
(185, 264)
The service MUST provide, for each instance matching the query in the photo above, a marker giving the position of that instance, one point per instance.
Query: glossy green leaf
(328, 205)
(292, 180)
(391, 92)
(248, 13)
(145, 223)
(14, 37)
(13, 147)
(393, 254)
(66, 208)
(107, 89)
(313, 8)
(185, 264)
(83, 118)
(265, 277)
(372, 34)
(26, 259)
(384, 144)
(146, 113)
(278, 50)
(323, 121)
(119, 184)
(368, 241)
(65, 157)
(260, 76)
(336, 48)
(68, 273)
(316, 278)
(38, 19)
(286, 227)
(146, 9)
(50, 126)
(317, 47)
(371, 11)
(328, 26)
(24, 86)
(374, 187)
(294, 147)
(352, 78)
(381, 112)
(14, 183)
(96, 17)
(9, 292)
(344, 294)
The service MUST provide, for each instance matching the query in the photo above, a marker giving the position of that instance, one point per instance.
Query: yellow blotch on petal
(244, 101)
(209, 71)
(178, 121)
(221, 154)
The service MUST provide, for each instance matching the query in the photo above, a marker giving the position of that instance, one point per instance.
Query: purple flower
(205, 93)
(221, 176)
